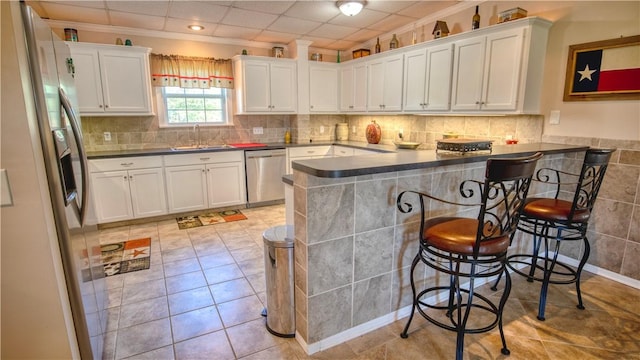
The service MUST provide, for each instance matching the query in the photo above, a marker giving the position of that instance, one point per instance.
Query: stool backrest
(507, 182)
(591, 175)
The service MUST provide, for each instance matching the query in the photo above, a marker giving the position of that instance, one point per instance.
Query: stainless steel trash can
(278, 263)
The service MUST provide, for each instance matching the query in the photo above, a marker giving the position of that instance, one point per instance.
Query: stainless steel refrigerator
(53, 295)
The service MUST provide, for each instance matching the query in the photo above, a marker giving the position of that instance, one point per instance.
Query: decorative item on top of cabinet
(394, 43)
(475, 20)
(361, 53)
(373, 133)
(377, 45)
(440, 29)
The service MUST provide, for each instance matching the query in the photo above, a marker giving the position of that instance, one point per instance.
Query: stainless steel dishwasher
(265, 169)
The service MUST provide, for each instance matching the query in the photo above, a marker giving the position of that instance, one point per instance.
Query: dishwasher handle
(250, 154)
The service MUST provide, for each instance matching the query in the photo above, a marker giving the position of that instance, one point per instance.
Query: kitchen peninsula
(353, 249)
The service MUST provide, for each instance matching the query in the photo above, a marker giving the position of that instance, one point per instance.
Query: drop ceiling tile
(291, 25)
(364, 19)
(392, 22)
(389, 6)
(74, 13)
(363, 35)
(181, 26)
(253, 19)
(236, 32)
(332, 31)
(343, 46)
(322, 11)
(319, 42)
(96, 4)
(197, 10)
(275, 37)
(269, 7)
(424, 8)
(157, 8)
(136, 20)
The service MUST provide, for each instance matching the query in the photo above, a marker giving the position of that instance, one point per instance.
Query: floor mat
(210, 218)
(126, 256)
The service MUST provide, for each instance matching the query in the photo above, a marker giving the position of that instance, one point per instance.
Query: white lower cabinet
(208, 180)
(306, 153)
(122, 192)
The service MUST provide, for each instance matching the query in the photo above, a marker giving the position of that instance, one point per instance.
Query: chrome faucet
(196, 134)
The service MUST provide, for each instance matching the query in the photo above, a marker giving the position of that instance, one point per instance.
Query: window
(190, 106)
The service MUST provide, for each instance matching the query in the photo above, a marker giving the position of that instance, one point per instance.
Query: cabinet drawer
(204, 158)
(306, 151)
(125, 163)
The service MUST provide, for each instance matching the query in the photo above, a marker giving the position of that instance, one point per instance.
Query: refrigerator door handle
(77, 135)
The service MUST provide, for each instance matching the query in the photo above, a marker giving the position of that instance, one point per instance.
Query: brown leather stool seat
(461, 248)
(554, 220)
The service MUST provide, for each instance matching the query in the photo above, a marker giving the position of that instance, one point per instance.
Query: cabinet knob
(131, 177)
(100, 106)
(477, 102)
(106, 106)
(125, 177)
(350, 106)
(311, 106)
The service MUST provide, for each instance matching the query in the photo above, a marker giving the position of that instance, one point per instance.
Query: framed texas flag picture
(604, 70)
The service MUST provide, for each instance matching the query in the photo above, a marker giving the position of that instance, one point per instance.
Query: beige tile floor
(202, 298)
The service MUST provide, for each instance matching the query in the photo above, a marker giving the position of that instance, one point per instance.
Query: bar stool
(555, 219)
(473, 248)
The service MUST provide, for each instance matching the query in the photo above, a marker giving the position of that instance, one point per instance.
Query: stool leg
(462, 319)
(548, 269)
(583, 261)
(537, 240)
(503, 302)
(404, 334)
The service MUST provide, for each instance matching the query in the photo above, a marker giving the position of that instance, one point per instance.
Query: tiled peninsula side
(353, 248)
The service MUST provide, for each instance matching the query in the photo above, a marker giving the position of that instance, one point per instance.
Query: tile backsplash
(143, 132)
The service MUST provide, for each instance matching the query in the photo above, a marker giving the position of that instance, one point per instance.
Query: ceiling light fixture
(350, 8)
(196, 27)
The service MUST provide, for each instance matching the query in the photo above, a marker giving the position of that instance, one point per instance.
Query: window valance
(191, 72)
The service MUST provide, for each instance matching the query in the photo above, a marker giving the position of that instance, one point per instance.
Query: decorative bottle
(475, 21)
(338, 58)
(393, 44)
(377, 45)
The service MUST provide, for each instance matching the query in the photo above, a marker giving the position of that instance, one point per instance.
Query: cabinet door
(375, 88)
(323, 88)
(87, 80)
(360, 82)
(283, 87)
(502, 70)
(148, 196)
(125, 81)
(226, 184)
(438, 78)
(111, 196)
(468, 67)
(392, 88)
(385, 84)
(256, 86)
(415, 74)
(186, 188)
(346, 88)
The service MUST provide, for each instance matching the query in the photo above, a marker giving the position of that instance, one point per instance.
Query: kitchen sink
(200, 147)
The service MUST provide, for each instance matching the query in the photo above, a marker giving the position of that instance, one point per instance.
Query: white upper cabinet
(384, 90)
(323, 85)
(111, 79)
(427, 78)
(500, 71)
(353, 86)
(265, 85)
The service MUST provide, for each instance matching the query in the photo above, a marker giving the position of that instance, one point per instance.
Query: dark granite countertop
(338, 167)
(168, 151)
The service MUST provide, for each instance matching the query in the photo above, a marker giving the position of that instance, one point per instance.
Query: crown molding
(158, 34)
